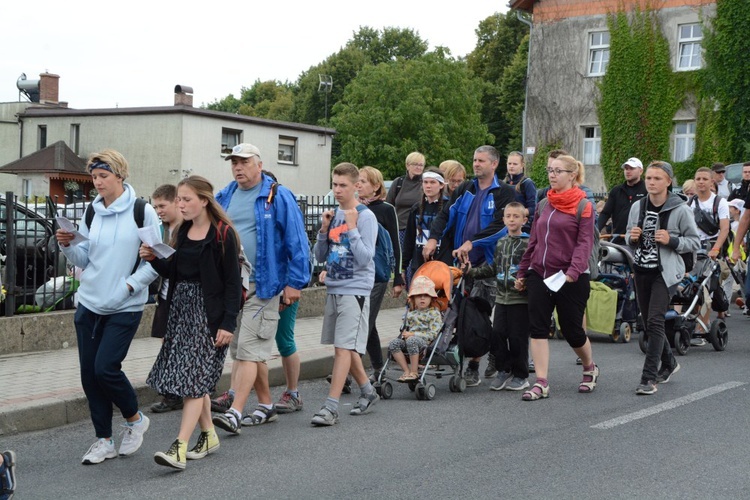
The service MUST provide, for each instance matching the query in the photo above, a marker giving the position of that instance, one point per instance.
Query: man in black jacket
(621, 198)
(471, 223)
(742, 190)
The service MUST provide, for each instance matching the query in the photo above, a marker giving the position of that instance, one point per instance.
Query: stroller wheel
(452, 384)
(429, 392)
(420, 392)
(625, 332)
(386, 390)
(643, 341)
(681, 341)
(718, 334)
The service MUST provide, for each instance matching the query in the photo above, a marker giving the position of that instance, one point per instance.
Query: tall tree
(389, 44)
(498, 39)
(431, 104)
(367, 46)
(270, 99)
(726, 48)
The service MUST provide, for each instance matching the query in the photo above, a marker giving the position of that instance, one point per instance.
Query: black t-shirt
(647, 252)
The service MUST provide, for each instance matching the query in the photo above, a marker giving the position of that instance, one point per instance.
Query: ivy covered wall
(638, 94)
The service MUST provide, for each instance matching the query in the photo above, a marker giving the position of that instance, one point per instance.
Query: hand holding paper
(150, 236)
(69, 227)
(556, 281)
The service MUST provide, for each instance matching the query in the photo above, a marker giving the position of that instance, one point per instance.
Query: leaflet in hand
(556, 281)
(69, 227)
(150, 236)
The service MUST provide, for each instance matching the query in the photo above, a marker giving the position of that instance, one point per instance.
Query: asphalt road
(689, 440)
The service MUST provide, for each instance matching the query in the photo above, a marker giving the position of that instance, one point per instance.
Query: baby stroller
(443, 351)
(616, 271)
(692, 295)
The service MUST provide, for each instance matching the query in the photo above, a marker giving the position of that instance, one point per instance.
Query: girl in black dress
(204, 300)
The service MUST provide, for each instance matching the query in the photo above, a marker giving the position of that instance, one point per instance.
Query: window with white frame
(229, 139)
(75, 137)
(689, 41)
(26, 188)
(684, 141)
(592, 145)
(598, 53)
(41, 137)
(287, 149)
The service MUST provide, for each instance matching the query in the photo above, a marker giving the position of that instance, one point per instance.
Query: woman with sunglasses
(559, 246)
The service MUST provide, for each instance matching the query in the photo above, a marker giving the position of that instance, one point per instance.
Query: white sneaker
(132, 438)
(100, 451)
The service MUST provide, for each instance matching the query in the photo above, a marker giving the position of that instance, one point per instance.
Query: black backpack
(139, 214)
(688, 258)
(474, 328)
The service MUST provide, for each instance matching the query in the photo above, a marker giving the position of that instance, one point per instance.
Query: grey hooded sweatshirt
(682, 231)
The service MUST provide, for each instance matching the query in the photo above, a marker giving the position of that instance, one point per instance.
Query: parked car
(734, 173)
(37, 256)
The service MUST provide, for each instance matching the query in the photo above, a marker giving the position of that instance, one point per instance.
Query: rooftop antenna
(325, 85)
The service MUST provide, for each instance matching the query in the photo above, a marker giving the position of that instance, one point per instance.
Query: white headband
(433, 175)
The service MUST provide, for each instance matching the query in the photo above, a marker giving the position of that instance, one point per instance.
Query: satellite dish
(326, 83)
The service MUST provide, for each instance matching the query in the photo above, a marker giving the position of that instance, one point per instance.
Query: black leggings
(570, 301)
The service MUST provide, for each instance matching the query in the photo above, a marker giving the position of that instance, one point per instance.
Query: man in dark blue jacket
(472, 222)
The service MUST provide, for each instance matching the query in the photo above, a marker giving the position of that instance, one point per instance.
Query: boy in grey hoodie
(659, 232)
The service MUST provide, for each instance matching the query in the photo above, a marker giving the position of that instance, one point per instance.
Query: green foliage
(639, 94)
(270, 99)
(430, 104)
(389, 45)
(512, 97)
(726, 47)
(538, 170)
(368, 46)
(494, 60)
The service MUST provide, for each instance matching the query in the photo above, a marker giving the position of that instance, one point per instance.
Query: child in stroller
(422, 326)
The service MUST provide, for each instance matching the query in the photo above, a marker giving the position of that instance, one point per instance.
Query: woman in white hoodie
(113, 290)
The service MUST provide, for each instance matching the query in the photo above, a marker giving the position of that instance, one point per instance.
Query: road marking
(669, 405)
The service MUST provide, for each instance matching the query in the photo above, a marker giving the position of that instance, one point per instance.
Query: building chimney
(49, 88)
(183, 95)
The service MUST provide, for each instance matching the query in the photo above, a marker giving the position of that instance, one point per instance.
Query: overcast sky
(133, 53)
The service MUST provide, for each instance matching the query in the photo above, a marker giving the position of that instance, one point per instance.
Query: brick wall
(556, 10)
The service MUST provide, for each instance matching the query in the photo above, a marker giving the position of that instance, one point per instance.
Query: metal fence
(37, 277)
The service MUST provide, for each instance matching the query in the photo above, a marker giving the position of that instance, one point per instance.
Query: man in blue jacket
(472, 222)
(274, 240)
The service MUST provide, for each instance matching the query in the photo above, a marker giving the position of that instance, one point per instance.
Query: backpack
(245, 268)
(474, 328)
(399, 182)
(384, 259)
(597, 247)
(139, 214)
(687, 257)
(709, 225)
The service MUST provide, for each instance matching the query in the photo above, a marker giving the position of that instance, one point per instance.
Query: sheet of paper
(556, 281)
(150, 236)
(69, 227)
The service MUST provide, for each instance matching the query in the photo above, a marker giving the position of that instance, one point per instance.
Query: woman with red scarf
(560, 245)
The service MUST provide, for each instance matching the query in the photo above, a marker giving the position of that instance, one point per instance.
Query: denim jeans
(653, 301)
(103, 343)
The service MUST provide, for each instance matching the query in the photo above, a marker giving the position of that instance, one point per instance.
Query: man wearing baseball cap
(723, 186)
(621, 198)
(274, 240)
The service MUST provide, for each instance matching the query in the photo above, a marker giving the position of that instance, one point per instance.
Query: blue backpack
(384, 259)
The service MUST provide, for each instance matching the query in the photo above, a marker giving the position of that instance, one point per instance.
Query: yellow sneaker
(174, 457)
(208, 442)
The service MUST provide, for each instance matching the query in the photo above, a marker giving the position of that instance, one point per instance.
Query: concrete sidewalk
(40, 390)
